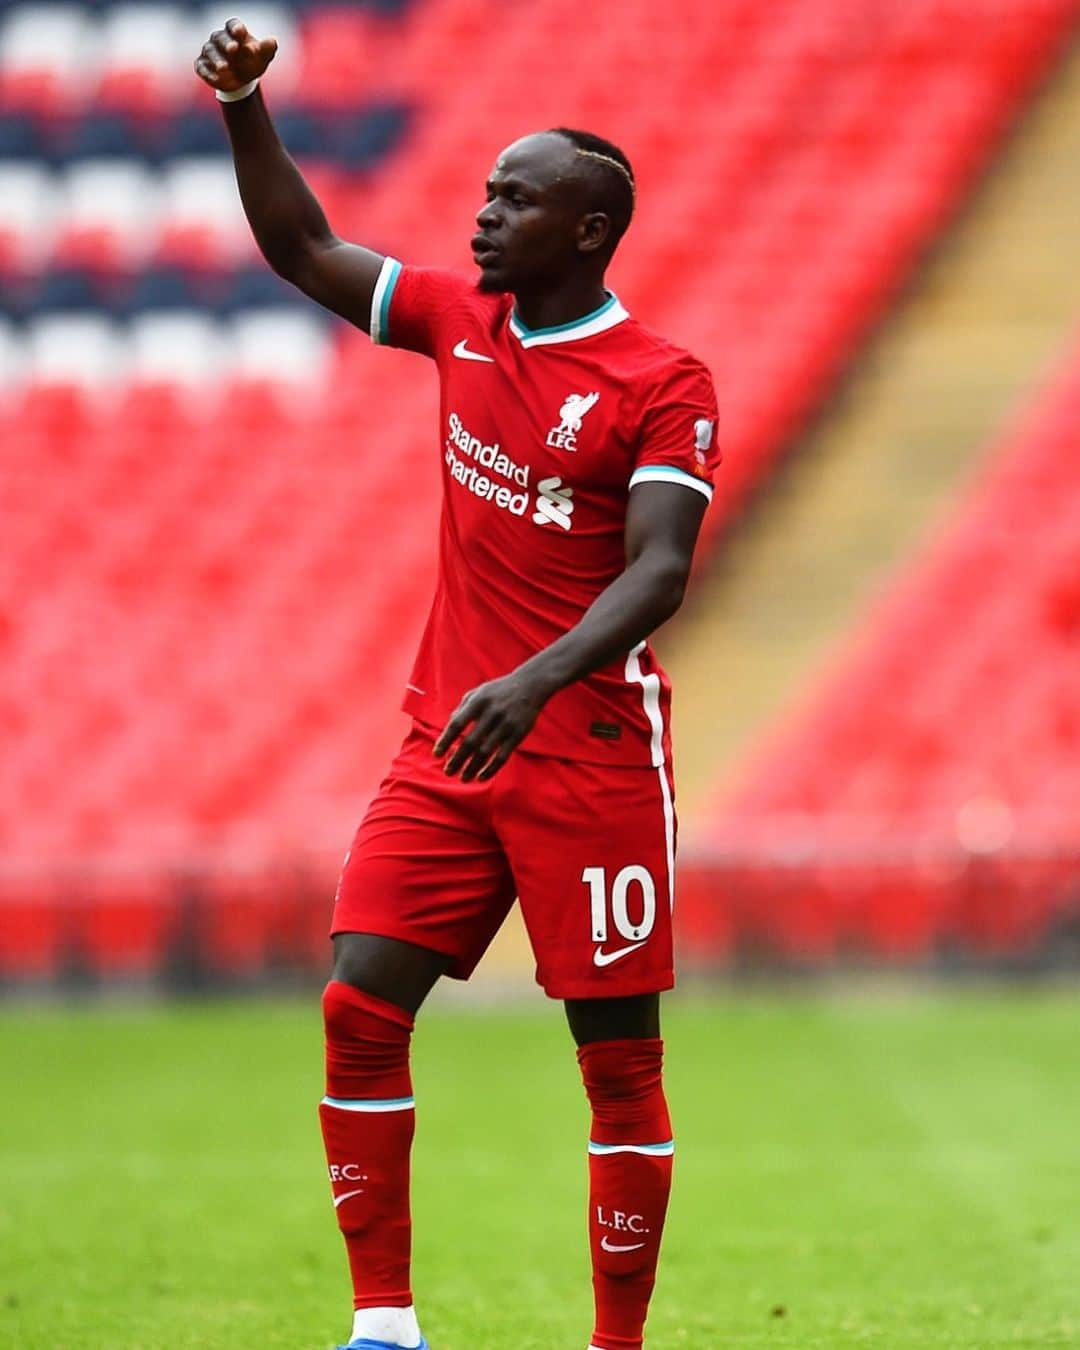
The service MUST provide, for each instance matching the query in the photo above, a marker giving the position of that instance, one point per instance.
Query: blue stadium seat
(302, 135)
(101, 136)
(166, 288)
(196, 133)
(386, 8)
(362, 141)
(21, 138)
(255, 288)
(68, 290)
(14, 300)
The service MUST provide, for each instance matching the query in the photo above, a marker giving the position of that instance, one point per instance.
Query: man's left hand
(498, 715)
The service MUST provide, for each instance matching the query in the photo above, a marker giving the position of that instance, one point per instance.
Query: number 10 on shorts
(615, 905)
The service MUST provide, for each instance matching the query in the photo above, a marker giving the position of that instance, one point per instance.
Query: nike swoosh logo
(615, 1247)
(602, 958)
(340, 1199)
(463, 352)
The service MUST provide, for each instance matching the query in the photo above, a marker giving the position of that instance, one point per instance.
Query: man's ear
(593, 231)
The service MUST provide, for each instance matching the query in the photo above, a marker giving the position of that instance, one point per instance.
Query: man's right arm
(286, 219)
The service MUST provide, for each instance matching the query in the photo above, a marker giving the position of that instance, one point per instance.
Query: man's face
(529, 233)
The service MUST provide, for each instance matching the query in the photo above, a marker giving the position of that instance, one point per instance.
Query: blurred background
(217, 504)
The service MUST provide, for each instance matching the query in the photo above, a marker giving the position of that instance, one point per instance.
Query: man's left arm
(662, 524)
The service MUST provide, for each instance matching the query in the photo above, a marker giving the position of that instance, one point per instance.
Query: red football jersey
(543, 433)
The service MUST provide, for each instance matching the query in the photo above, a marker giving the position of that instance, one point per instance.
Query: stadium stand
(109, 170)
(928, 792)
(218, 506)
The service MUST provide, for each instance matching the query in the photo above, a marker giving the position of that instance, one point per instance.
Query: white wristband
(235, 95)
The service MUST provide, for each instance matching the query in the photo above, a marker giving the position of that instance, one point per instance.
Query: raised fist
(232, 57)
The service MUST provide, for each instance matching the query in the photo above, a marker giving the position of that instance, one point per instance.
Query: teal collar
(610, 313)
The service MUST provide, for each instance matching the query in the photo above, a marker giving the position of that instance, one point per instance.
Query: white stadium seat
(279, 345)
(80, 349)
(201, 193)
(69, 52)
(140, 36)
(182, 348)
(29, 204)
(41, 210)
(60, 40)
(115, 195)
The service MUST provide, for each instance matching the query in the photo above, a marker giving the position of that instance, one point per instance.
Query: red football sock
(367, 1121)
(630, 1159)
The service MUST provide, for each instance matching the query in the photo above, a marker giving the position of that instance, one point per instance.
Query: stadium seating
(103, 168)
(928, 792)
(218, 508)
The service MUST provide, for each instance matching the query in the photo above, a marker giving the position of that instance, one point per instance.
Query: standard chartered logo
(490, 474)
(462, 447)
(554, 503)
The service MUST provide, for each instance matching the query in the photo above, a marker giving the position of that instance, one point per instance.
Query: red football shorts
(588, 849)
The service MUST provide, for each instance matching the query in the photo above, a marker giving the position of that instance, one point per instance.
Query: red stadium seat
(943, 754)
(43, 57)
(122, 926)
(31, 935)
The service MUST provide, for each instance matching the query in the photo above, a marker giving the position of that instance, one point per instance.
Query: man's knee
(351, 1015)
(624, 1081)
(367, 1044)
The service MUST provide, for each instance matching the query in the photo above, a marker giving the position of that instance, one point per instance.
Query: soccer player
(577, 454)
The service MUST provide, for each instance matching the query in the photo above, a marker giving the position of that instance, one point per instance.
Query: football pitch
(886, 1170)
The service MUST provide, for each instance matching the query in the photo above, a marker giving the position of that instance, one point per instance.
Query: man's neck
(561, 305)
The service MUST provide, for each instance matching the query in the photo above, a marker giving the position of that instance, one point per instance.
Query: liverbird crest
(574, 409)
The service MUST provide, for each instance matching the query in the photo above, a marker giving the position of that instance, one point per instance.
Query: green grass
(851, 1172)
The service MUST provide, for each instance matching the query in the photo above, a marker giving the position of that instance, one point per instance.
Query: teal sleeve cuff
(380, 300)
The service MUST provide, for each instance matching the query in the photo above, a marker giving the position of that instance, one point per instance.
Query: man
(577, 453)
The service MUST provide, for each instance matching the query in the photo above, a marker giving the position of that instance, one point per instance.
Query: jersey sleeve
(677, 437)
(410, 305)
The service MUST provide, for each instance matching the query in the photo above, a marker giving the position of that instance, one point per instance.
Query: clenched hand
(231, 57)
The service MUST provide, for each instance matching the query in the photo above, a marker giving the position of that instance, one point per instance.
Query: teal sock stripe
(664, 1150)
(370, 1103)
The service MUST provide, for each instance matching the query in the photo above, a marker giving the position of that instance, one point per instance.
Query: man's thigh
(592, 851)
(425, 866)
